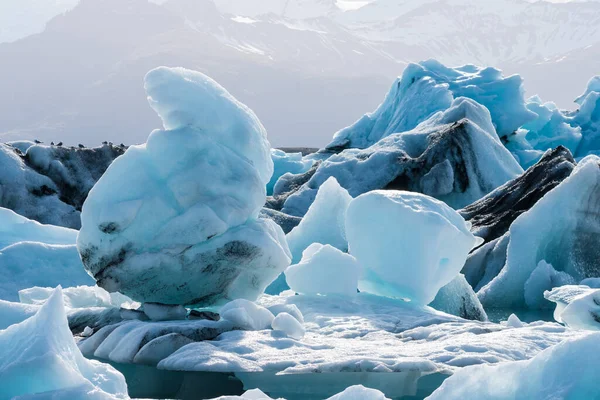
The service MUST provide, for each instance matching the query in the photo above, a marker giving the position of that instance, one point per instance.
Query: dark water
(499, 314)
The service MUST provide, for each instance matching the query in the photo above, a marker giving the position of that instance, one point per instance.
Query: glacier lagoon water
(151, 383)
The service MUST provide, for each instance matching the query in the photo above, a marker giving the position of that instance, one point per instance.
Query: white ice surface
(324, 270)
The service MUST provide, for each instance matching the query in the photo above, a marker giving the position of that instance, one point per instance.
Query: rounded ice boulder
(409, 245)
(175, 220)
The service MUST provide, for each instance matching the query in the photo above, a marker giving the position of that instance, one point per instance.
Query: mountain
(307, 67)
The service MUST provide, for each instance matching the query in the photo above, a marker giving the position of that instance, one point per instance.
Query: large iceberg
(409, 245)
(175, 220)
(565, 223)
(429, 87)
(570, 370)
(39, 357)
(455, 156)
(32, 254)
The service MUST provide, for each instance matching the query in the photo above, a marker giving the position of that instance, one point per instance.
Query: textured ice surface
(32, 254)
(289, 325)
(428, 87)
(76, 297)
(359, 392)
(577, 306)
(39, 355)
(180, 213)
(569, 370)
(408, 244)
(458, 298)
(284, 163)
(455, 156)
(324, 270)
(565, 222)
(324, 222)
(245, 314)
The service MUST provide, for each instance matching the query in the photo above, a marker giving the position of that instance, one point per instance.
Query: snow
(567, 371)
(455, 156)
(429, 87)
(564, 239)
(324, 270)
(39, 355)
(576, 306)
(408, 244)
(180, 213)
(247, 315)
(324, 221)
(289, 325)
(283, 163)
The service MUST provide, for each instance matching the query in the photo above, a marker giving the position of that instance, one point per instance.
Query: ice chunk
(247, 315)
(324, 222)
(458, 298)
(513, 321)
(565, 239)
(568, 370)
(27, 264)
(454, 156)
(39, 355)
(359, 392)
(254, 394)
(324, 270)
(180, 213)
(428, 87)
(289, 325)
(576, 306)
(163, 312)
(283, 163)
(544, 277)
(408, 244)
(76, 297)
(15, 228)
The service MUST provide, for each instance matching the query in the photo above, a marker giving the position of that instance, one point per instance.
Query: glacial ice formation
(76, 297)
(180, 213)
(567, 240)
(324, 270)
(455, 156)
(356, 392)
(577, 306)
(324, 221)
(409, 245)
(458, 298)
(568, 370)
(49, 183)
(429, 87)
(32, 254)
(39, 357)
(284, 163)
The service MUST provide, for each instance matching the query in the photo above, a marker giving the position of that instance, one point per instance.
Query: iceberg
(324, 270)
(324, 221)
(458, 298)
(568, 370)
(39, 357)
(180, 213)
(284, 163)
(409, 245)
(455, 156)
(566, 239)
(33, 254)
(577, 306)
(429, 87)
